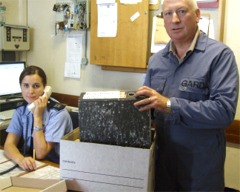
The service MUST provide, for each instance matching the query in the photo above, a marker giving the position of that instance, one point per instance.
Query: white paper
(47, 172)
(155, 47)
(104, 95)
(134, 16)
(153, 2)
(105, 1)
(211, 32)
(130, 1)
(5, 165)
(74, 56)
(204, 23)
(3, 158)
(107, 20)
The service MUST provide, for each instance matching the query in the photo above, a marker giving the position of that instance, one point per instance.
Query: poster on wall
(207, 3)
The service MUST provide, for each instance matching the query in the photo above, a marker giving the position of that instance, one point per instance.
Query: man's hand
(152, 100)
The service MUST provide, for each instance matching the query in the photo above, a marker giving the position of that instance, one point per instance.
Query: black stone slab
(114, 121)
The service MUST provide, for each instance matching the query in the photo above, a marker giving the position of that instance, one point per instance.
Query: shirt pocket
(194, 89)
(158, 83)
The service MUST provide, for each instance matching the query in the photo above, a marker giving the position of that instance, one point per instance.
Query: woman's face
(32, 87)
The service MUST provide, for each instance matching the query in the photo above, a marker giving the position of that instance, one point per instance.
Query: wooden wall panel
(233, 132)
(70, 100)
(130, 46)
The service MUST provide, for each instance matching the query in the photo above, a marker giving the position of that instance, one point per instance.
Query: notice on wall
(74, 56)
(107, 20)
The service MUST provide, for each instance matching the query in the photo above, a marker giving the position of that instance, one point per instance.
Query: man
(192, 86)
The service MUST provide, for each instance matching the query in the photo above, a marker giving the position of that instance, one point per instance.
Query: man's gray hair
(192, 4)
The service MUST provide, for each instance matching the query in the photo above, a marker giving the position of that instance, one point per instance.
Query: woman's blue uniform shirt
(203, 90)
(56, 123)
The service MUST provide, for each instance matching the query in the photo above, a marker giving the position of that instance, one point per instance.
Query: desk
(46, 175)
(45, 169)
(43, 161)
(50, 163)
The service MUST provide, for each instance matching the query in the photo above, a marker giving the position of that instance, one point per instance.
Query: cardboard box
(100, 167)
(12, 184)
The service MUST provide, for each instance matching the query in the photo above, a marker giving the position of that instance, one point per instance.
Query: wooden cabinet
(129, 49)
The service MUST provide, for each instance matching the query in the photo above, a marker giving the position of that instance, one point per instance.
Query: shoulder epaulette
(21, 103)
(56, 105)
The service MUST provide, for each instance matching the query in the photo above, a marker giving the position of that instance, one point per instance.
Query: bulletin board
(130, 45)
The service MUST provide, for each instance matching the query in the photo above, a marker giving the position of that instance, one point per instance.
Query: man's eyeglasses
(180, 13)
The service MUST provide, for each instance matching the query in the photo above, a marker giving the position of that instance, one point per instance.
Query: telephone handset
(47, 93)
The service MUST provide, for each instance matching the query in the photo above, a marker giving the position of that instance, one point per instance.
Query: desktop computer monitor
(9, 79)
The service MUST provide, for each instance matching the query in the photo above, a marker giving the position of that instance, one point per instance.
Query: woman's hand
(41, 104)
(27, 163)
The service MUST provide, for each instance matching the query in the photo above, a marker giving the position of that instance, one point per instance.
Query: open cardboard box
(13, 184)
(100, 167)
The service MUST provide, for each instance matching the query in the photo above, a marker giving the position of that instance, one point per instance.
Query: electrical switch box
(71, 15)
(14, 38)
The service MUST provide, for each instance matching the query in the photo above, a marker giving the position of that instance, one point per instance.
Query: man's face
(180, 20)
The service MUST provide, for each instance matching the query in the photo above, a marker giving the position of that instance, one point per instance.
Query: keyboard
(5, 115)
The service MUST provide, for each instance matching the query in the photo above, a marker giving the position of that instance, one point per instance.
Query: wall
(232, 166)
(231, 38)
(49, 52)
(231, 34)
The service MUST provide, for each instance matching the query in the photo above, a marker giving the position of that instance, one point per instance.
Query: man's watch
(168, 105)
(36, 128)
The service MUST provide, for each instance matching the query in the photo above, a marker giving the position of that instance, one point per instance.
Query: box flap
(59, 187)
(5, 182)
(33, 182)
(72, 136)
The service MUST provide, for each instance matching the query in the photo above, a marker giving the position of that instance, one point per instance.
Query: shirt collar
(190, 49)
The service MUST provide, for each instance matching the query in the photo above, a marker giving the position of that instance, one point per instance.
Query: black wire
(24, 151)
(8, 170)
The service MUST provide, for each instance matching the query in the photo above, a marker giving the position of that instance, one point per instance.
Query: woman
(40, 129)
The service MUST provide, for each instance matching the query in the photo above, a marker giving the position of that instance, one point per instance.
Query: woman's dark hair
(31, 70)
